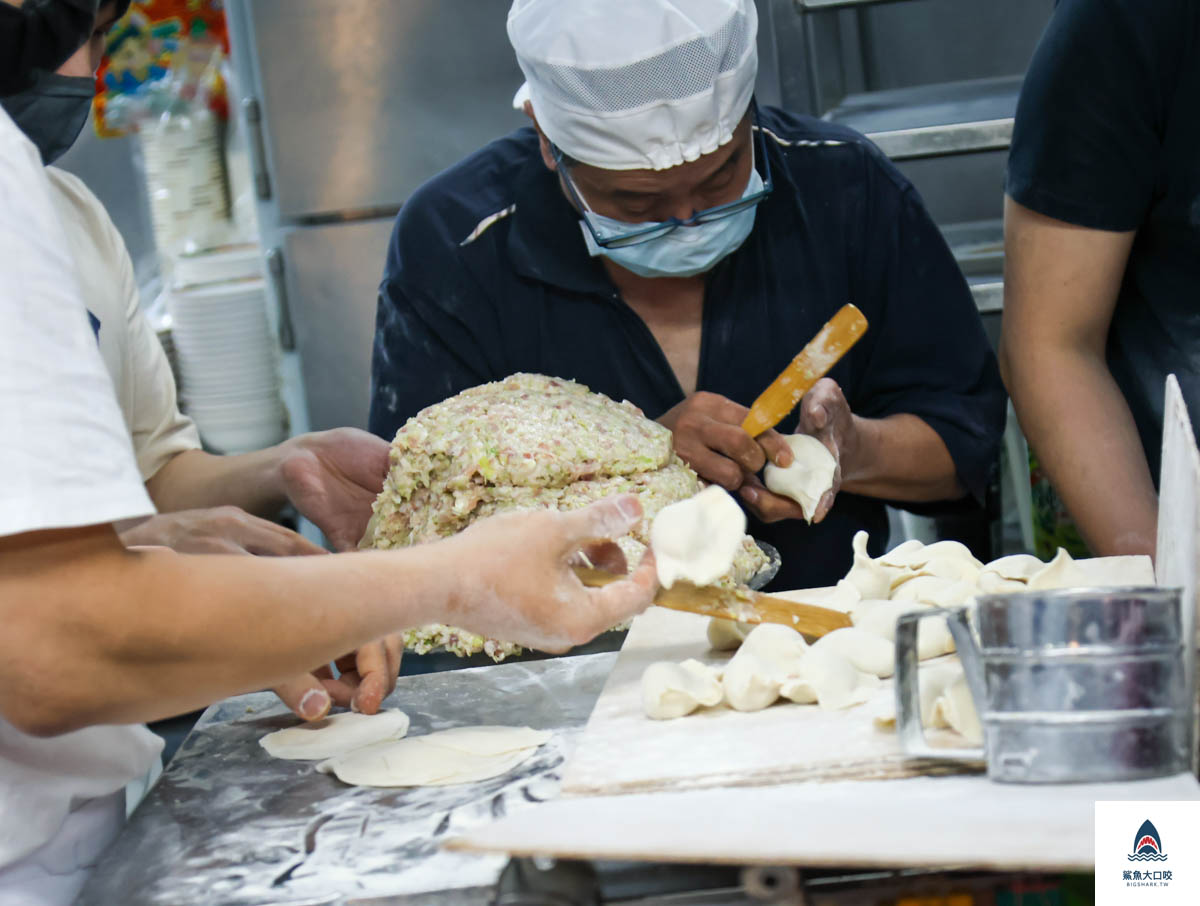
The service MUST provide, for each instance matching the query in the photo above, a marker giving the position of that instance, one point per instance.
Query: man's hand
(709, 438)
(367, 677)
(333, 478)
(824, 414)
(515, 580)
(220, 530)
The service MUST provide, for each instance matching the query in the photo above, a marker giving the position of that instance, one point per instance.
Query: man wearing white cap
(659, 238)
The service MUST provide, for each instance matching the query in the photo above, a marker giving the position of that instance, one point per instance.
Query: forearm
(196, 480)
(1093, 456)
(96, 634)
(900, 458)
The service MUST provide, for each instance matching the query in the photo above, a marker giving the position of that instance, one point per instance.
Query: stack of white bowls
(228, 363)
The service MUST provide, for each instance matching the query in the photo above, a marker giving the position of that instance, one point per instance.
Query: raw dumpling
(879, 618)
(769, 654)
(1017, 567)
(901, 555)
(809, 476)
(955, 569)
(775, 642)
(933, 680)
(867, 652)
(994, 584)
(725, 635)
(871, 578)
(334, 735)
(673, 690)
(829, 679)
(912, 556)
(935, 591)
(955, 708)
(1061, 572)
(751, 682)
(696, 539)
(434, 760)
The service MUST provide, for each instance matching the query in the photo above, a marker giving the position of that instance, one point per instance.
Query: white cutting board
(966, 822)
(623, 751)
(1178, 554)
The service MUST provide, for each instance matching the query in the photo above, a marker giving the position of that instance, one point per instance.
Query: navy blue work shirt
(1107, 137)
(488, 274)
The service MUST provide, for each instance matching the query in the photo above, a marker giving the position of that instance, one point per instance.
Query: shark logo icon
(1147, 845)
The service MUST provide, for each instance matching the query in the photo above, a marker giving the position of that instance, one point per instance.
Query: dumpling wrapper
(808, 478)
(334, 735)
(868, 652)
(674, 690)
(697, 539)
(426, 761)
(487, 740)
(829, 679)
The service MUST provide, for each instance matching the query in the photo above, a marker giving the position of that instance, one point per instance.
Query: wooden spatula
(832, 342)
(735, 604)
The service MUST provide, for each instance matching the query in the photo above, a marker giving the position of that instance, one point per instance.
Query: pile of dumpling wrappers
(844, 668)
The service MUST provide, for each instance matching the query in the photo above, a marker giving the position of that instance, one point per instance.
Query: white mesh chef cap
(636, 84)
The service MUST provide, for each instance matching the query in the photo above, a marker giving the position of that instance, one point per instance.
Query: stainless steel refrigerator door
(333, 274)
(363, 100)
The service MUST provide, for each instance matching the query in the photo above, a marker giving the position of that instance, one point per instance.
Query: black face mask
(40, 34)
(52, 113)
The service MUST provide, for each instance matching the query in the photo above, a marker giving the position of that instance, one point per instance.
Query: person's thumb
(305, 696)
(610, 518)
(619, 601)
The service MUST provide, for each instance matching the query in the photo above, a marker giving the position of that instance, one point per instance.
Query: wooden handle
(735, 604)
(815, 360)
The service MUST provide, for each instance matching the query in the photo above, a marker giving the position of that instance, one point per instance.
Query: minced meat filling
(527, 442)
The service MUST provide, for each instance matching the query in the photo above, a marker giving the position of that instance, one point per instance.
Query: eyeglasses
(708, 215)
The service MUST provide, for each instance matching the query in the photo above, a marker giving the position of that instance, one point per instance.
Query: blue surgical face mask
(685, 251)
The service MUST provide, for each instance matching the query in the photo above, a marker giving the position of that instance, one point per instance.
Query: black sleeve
(926, 351)
(1089, 125)
(429, 345)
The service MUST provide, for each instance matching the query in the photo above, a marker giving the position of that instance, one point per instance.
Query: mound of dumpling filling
(527, 442)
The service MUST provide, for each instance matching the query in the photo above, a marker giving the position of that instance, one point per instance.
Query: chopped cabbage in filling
(526, 442)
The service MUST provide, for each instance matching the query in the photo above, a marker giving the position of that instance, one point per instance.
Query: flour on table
(334, 735)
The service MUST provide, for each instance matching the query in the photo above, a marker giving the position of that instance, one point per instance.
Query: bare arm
(1060, 288)
(894, 458)
(86, 642)
(331, 477)
(196, 480)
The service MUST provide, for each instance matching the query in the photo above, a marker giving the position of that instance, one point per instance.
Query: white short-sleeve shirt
(141, 375)
(65, 461)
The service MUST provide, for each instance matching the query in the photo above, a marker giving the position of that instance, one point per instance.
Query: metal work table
(226, 823)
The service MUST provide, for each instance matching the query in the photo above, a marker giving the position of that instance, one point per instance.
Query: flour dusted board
(623, 751)
(1179, 517)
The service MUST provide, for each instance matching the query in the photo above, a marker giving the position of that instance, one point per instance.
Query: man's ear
(543, 142)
